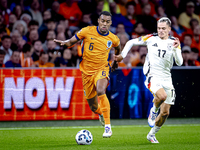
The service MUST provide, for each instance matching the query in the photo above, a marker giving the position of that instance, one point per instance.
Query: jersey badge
(109, 44)
(169, 46)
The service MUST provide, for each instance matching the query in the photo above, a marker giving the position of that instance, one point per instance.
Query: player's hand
(176, 43)
(60, 42)
(118, 58)
(114, 66)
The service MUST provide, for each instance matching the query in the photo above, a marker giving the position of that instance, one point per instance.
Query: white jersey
(160, 56)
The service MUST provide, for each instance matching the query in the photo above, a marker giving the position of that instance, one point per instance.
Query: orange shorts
(90, 81)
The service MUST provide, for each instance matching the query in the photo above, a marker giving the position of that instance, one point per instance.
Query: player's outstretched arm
(127, 48)
(115, 63)
(68, 43)
(129, 45)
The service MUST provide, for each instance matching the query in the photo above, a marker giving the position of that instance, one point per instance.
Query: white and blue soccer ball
(84, 137)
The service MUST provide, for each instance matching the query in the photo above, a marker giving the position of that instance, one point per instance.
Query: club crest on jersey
(169, 46)
(109, 44)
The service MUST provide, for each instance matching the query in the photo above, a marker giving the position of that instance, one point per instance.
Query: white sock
(154, 130)
(155, 109)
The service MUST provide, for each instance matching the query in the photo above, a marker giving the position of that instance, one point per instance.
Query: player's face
(163, 30)
(104, 23)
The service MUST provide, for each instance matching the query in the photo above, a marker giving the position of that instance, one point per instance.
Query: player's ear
(169, 29)
(98, 20)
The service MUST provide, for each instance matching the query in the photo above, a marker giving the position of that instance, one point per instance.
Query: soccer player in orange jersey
(97, 42)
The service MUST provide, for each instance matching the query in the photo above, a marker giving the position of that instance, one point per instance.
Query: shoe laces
(154, 115)
(107, 129)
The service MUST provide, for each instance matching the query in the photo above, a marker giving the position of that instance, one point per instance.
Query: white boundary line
(81, 127)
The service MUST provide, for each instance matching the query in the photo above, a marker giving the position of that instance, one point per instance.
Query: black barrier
(187, 85)
(129, 98)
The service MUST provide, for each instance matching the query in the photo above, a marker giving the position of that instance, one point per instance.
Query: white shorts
(154, 84)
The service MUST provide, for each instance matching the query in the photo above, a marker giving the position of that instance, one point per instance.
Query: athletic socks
(154, 130)
(105, 108)
(108, 125)
(155, 109)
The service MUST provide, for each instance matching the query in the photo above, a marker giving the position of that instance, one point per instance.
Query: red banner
(42, 94)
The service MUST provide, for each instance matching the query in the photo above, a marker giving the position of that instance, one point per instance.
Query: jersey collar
(101, 33)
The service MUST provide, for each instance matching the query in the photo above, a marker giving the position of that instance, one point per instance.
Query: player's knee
(100, 91)
(162, 97)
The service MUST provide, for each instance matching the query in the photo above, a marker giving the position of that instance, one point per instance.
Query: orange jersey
(26, 62)
(95, 48)
(48, 64)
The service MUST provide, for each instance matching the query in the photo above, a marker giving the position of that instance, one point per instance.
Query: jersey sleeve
(82, 33)
(144, 39)
(138, 41)
(116, 42)
(178, 56)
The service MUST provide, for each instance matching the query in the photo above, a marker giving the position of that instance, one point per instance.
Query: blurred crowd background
(28, 27)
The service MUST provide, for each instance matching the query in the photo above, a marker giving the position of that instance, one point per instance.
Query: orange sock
(105, 108)
(98, 111)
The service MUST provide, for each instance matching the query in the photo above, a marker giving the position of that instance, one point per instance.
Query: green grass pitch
(171, 137)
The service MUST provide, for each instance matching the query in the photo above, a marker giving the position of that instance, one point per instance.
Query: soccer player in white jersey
(163, 49)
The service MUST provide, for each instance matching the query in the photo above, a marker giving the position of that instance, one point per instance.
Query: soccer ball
(84, 137)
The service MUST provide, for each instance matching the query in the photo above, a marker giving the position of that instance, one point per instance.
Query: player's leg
(91, 95)
(95, 107)
(105, 105)
(153, 84)
(164, 113)
(165, 97)
(159, 98)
